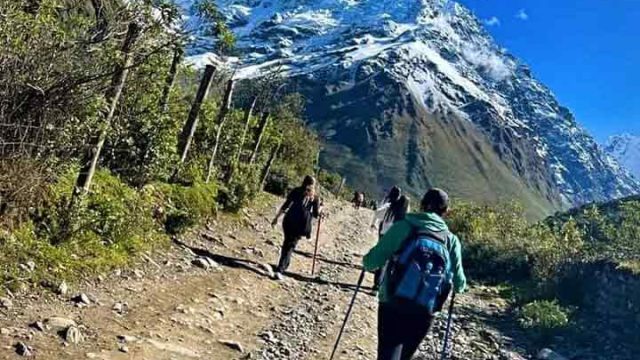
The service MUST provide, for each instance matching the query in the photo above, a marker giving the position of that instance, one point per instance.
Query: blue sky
(586, 51)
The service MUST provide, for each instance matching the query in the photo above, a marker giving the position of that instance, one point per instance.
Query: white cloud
(487, 62)
(492, 21)
(522, 15)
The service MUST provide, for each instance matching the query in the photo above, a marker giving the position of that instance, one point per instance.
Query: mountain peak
(625, 148)
(414, 64)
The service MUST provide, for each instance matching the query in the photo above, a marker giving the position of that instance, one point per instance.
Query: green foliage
(182, 207)
(114, 224)
(217, 27)
(501, 245)
(544, 316)
(240, 191)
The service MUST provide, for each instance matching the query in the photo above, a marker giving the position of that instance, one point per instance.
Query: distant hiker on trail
(301, 206)
(394, 208)
(358, 199)
(425, 261)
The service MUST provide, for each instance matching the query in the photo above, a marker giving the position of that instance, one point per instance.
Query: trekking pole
(445, 347)
(346, 319)
(315, 252)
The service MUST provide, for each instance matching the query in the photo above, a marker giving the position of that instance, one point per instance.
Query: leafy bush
(500, 245)
(181, 207)
(543, 316)
(113, 225)
(239, 191)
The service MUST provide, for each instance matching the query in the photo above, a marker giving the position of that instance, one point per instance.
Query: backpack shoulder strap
(441, 236)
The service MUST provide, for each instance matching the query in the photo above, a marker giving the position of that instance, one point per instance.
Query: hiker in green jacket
(402, 324)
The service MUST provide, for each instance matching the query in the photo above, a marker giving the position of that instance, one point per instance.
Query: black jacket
(300, 213)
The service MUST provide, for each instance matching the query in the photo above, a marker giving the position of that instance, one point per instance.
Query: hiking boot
(278, 276)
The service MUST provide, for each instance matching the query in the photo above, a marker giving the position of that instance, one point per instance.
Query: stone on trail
(62, 289)
(23, 349)
(127, 339)
(232, 345)
(268, 269)
(5, 303)
(73, 335)
(120, 308)
(82, 299)
(38, 325)
(548, 354)
(59, 322)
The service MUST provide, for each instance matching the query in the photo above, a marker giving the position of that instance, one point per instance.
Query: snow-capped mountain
(626, 149)
(416, 92)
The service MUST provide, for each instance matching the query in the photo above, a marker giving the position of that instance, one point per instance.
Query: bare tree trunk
(171, 79)
(189, 129)
(267, 168)
(222, 118)
(342, 184)
(112, 96)
(247, 121)
(264, 122)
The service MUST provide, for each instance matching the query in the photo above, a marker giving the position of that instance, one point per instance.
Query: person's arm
(455, 254)
(378, 215)
(283, 209)
(387, 246)
(317, 207)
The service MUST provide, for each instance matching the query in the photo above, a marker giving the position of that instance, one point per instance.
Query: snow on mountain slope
(626, 149)
(434, 58)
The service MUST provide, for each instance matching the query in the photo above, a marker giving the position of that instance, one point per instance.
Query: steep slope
(626, 149)
(380, 76)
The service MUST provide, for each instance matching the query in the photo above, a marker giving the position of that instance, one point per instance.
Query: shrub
(113, 225)
(500, 245)
(543, 316)
(181, 207)
(239, 192)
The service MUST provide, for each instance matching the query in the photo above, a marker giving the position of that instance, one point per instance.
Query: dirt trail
(169, 308)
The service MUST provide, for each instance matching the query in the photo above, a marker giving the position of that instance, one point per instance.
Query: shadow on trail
(328, 261)
(227, 261)
(259, 268)
(321, 281)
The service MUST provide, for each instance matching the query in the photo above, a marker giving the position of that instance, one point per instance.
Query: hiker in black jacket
(394, 208)
(301, 206)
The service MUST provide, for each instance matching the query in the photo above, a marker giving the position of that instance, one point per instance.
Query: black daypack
(420, 273)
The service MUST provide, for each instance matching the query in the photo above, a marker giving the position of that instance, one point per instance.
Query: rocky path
(210, 297)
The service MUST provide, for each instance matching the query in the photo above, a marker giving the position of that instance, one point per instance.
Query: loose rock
(23, 349)
(73, 335)
(60, 322)
(38, 325)
(82, 299)
(62, 289)
(5, 303)
(232, 345)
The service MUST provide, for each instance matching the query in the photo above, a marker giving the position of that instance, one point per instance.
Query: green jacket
(392, 241)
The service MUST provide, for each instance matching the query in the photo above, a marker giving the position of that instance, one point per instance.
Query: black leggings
(289, 245)
(401, 329)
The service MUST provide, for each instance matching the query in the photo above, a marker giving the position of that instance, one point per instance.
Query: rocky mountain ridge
(402, 90)
(626, 149)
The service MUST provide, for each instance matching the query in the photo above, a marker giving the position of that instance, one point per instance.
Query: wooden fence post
(90, 162)
(222, 118)
(267, 167)
(189, 129)
(178, 53)
(264, 122)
